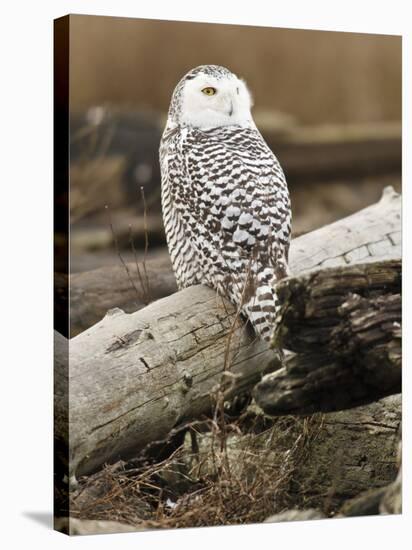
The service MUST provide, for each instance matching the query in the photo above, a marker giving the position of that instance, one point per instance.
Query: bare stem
(139, 274)
(117, 248)
(146, 234)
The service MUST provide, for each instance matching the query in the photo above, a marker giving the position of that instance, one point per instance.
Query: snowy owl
(225, 201)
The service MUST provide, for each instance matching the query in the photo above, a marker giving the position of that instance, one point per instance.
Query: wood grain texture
(345, 325)
(134, 377)
(356, 450)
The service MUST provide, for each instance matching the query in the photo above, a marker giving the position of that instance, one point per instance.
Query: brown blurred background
(327, 103)
(316, 76)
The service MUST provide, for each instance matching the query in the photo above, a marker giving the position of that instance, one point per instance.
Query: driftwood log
(356, 450)
(135, 377)
(345, 325)
(327, 459)
(93, 293)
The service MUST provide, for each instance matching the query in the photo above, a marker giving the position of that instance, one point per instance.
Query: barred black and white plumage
(226, 207)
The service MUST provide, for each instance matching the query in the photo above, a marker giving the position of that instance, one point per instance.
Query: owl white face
(208, 102)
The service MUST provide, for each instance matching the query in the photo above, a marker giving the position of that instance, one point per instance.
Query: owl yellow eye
(209, 90)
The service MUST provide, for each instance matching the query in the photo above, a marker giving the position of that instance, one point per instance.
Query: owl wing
(234, 201)
(227, 218)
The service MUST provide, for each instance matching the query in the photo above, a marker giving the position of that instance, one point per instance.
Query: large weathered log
(382, 500)
(373, 232)
(134, 377)
(353, 451)
(313, 315)
(93, 293)
(345, 324)
(61, 398)
(265, 466)
(323, 460)
(391, 502)
(370, 233)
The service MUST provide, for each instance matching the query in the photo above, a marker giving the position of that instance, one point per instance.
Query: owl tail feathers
(263, 311)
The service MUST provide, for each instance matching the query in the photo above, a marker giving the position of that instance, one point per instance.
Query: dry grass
(142, 288)
(224, 473)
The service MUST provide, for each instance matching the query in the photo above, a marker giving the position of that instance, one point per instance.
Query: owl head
(210, 96)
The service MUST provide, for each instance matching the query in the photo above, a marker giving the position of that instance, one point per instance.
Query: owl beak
(231, 108)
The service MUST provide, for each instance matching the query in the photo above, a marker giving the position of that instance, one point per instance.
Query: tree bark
(134, 377)
(345, 324)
